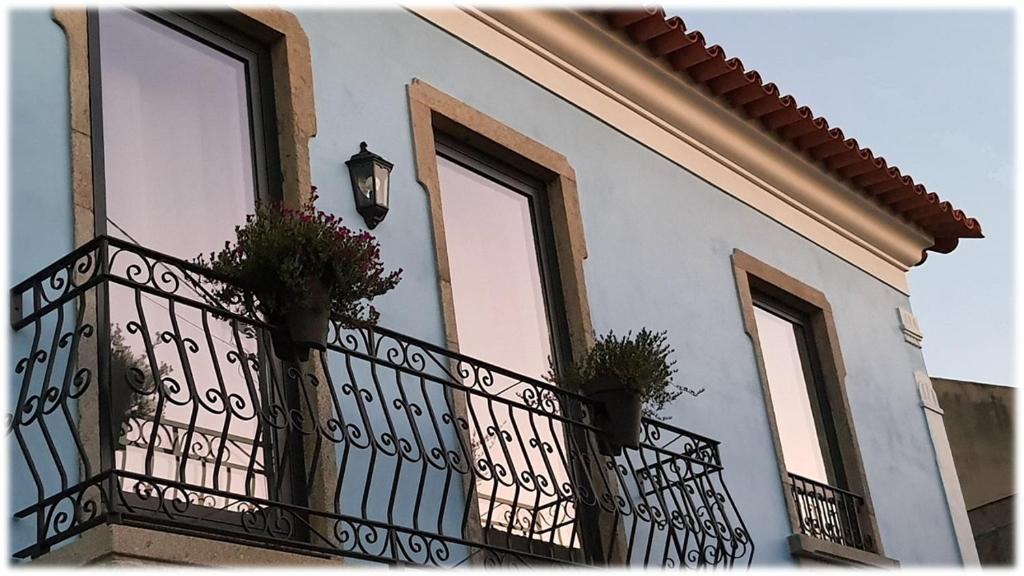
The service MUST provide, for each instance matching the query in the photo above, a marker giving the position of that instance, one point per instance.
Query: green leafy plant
(639, 363)
(279, 251)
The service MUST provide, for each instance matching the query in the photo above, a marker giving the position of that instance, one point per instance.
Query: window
(508, 311)
(505, 216)
(432, 113)
(806, 430)
(184, 147)
(803, 380)
(501, 261)
(184, 140)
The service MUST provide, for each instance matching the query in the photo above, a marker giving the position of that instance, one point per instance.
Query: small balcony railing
(144, 401)
(831, 514)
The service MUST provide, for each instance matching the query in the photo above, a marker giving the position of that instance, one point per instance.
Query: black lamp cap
(365, 154)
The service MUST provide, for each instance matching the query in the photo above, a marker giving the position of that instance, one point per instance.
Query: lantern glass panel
(381, 173)
(362, 182)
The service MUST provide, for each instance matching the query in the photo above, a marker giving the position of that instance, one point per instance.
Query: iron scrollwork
(383, 448)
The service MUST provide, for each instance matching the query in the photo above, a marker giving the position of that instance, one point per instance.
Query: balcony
(831, 514)
(143, 401)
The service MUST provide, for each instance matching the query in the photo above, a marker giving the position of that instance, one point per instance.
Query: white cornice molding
(576, 58)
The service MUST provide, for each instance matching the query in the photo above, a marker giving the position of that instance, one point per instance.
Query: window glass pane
(178, 167)
(501, 319)
(787, 383)
(492, 255)
(176, 140)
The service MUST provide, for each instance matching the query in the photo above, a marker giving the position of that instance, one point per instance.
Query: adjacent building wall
(979, 421)
(659, 242)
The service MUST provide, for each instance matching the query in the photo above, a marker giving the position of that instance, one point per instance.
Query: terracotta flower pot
(303, 326)
(619, 414)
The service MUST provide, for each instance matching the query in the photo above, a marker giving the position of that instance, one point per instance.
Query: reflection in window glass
(178, 167)
(492, 255)
(787, 383)
(176, 140)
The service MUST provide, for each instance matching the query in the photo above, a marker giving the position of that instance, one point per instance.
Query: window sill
(805, 546)
(119, 545)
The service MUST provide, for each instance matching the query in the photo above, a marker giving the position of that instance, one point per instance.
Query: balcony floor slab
(115, 544)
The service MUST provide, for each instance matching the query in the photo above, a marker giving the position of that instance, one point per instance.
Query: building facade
(557, 174)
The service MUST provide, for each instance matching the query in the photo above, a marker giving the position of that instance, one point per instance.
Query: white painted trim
(566, 52)
(908, 325)
(947, 470)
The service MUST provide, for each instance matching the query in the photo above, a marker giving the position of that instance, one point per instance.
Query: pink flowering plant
(280, 251)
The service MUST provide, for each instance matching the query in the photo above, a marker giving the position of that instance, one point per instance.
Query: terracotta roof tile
(687, 52)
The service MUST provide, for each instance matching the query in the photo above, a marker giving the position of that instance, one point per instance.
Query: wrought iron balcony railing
(144, 401)
(831, 514)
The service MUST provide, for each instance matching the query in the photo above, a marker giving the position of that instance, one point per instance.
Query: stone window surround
(292, 72)
(823, 332)
(431, 110)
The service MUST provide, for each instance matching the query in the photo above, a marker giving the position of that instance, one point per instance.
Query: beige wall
(979, 422)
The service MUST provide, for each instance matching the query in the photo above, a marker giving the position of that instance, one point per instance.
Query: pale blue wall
(40, 199)
(40, 173)
(659, 241)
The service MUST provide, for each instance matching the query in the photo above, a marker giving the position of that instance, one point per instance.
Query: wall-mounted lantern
(370, 180)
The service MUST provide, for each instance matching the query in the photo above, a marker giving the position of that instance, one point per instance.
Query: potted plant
(134, 389)
(303, 267)
(627, 378)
